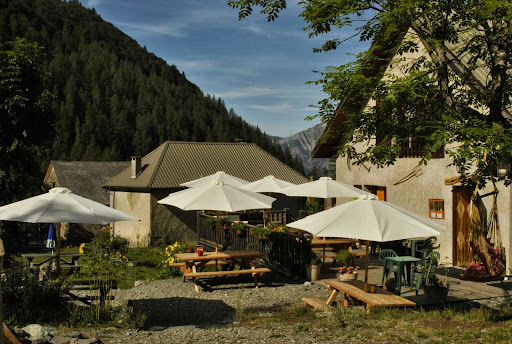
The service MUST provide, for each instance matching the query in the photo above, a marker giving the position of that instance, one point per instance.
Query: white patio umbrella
(61, 205)
(220, 175)
(217, 196)
(325, 187)
(267, 184)
(367, 218)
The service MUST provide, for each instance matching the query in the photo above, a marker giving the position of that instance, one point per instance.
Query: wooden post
(57, 232)
(2, 254)
(366, 288)
(217, 233)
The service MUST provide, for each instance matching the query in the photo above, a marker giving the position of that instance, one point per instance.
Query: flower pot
(435, 294)
(348, 277)
(313, 272)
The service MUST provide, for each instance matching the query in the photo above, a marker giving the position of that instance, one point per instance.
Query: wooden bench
(316, 303)
(197, 275)
(91, 285)
(183, 268)
(257, 271)
(354, 289)
(321, 249)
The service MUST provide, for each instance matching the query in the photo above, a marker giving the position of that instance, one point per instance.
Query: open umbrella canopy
(220, 175)
(267, 184)
(325, 187)
(367, 218)
(60, 205)
(218, 196)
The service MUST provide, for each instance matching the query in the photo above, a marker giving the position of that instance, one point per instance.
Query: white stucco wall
(137, 205)
(427, 183)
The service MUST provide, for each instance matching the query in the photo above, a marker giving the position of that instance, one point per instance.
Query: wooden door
(462, 252)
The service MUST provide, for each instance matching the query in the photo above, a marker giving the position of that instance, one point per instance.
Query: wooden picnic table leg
(196, 286)
(254, 276)
(332, 297)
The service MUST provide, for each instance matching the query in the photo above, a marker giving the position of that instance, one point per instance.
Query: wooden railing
(290, 251)
(414, 148)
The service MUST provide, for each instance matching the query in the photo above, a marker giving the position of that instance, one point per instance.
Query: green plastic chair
(423, 249)
(389, 267)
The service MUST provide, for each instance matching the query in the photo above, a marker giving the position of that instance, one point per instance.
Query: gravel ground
(177, 314)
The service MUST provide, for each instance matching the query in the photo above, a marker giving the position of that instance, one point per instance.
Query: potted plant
(239, 228)
(345, 257)
(434, 289)
(260, 232)
(313, 268)
(347, 273)
(210, 222)
(225, 223)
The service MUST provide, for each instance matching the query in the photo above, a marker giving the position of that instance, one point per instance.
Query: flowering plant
(346, 270)
(169, 258)
(260, 232)
(238, 227)
(277, 228)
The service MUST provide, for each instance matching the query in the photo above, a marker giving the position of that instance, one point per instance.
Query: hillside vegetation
(112, 98)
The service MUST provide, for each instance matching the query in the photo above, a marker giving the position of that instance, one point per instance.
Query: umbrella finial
(60, 190)
(370, 197)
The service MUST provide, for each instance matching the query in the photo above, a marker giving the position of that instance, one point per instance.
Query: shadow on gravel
(181, 311)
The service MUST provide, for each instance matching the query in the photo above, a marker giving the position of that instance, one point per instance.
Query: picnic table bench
(355, 289)
(47, 257)
(244, 258)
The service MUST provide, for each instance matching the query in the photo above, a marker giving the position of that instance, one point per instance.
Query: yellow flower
(81, 248)
(118, 254)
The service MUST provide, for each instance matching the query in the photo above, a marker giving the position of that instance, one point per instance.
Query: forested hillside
(112, 98)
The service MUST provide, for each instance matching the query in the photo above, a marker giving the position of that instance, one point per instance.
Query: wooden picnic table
(355, 289)
(330, 244)
(75, 267)
(243, 258)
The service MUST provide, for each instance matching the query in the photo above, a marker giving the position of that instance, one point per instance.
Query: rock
(72, 334)
(139, 283)
(34, 330)
(61, 340)
(18, 332)
(38, 340)
(92, 340)
(307, 283)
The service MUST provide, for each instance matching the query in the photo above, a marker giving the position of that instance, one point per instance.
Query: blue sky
(258, 68)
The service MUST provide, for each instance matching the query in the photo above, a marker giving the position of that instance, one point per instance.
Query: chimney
(136, 166)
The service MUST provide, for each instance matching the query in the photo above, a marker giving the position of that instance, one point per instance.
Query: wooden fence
(287, 250)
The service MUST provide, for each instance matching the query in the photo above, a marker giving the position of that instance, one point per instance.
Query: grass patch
(352, 324)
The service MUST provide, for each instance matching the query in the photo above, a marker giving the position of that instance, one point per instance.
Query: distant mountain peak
(302, 144)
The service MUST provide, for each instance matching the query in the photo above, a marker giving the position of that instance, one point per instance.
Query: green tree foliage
(456, 96)
(114, 99)
(25, 117)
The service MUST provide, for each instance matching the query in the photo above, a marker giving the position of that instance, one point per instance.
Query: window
(436, 208)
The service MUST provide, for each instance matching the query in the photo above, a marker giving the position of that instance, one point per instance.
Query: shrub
(29, 300)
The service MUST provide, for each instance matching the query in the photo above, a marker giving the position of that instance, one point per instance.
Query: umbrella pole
(217, 232)
(366, 289)
(57, 231)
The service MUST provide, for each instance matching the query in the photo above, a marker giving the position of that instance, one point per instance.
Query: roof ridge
(210, 143)
(159, 162)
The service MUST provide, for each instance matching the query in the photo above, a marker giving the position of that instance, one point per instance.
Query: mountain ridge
(302, 144)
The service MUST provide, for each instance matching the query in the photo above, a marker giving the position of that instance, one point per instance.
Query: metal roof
(173, 163)
(85, 178)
